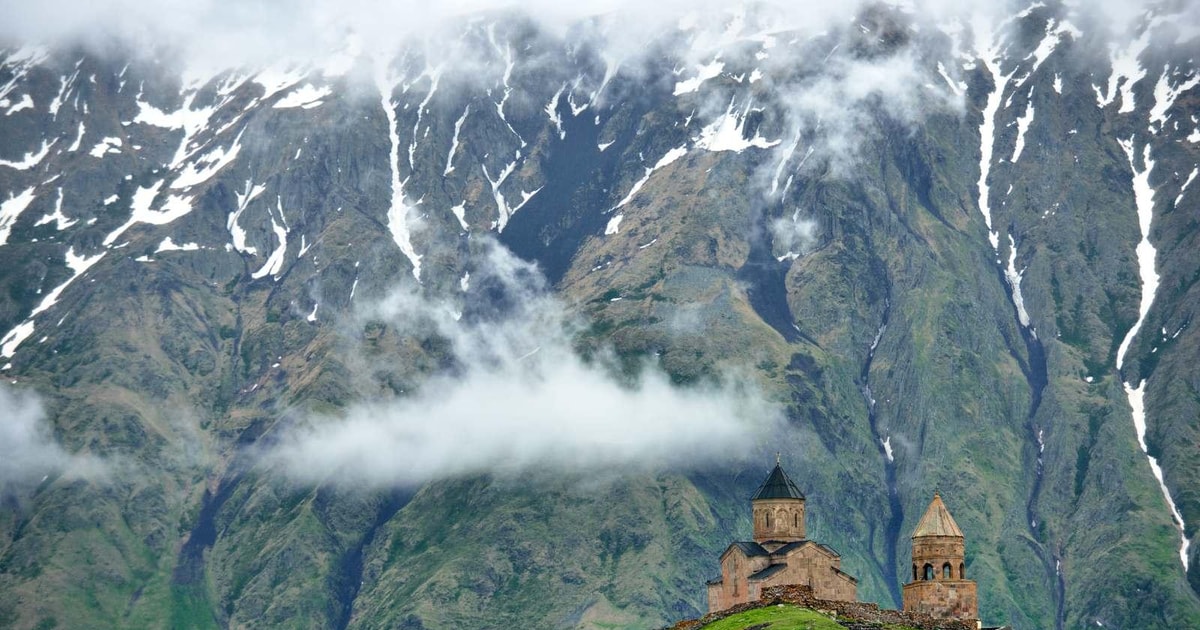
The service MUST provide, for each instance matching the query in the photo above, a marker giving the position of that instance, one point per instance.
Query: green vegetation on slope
(784, 617)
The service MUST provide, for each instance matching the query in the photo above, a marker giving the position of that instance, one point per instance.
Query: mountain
(500, 327)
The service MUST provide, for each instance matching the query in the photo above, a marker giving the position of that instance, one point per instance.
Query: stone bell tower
(778, 510)
(939, 584)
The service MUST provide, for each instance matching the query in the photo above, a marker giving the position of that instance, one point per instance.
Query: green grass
(190, 609)
(784, 617)
(780, 617)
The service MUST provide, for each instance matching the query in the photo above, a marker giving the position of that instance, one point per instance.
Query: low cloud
(793, 236)
(28, 450)
(519, 397)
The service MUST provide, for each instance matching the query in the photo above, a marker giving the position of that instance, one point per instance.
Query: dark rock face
(183, 267)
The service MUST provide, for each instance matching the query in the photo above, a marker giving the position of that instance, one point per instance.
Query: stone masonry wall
(944, 598)
(800, 595)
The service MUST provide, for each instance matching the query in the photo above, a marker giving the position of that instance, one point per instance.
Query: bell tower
(939, 584)
(778, 510)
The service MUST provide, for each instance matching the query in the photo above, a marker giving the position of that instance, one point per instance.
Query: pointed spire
(777, 486)
(937, 521)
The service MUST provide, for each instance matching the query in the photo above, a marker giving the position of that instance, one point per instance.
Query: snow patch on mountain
(31, 159)
(203, 168)
(1055, 32)
(1184, 187)
(460, 213)
(189, 121)
(65, 85)
(106, 146)
(236, 232)
(1165, 95)
(555, 116)
(76, 263)
(277, 79)
(704, 72)
(168, 245)
(274, 264)
(26, 102)
(173, 207)
(958, 87)
(78, 139)
(671, 156)
(11, 209)
(503, 209)
(306, 97)
(727, 133)
(57, 217)
(1126, 71)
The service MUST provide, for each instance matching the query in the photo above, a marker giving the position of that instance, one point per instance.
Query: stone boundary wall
(801, 595)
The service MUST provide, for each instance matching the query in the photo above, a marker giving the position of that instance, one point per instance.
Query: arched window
(962, 571)
(928, 572)
(795, 519)
(946, 571)
(768, 514)
(914, 572)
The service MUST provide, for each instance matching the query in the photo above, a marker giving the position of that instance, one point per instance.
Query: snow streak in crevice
(1013, 277)
(1022, 126)
(987, 130)
(454, 141)
(553, 113)
(435, 76)
(231, 223)
(671, 156)
(503, 209)
(991, 58)
(398, 209)
(274, 264)
(1143, 194)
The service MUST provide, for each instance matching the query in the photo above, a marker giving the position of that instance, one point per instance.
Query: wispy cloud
(519, 397)
(28, 450)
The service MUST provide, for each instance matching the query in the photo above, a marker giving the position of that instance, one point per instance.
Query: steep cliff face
(956, 257)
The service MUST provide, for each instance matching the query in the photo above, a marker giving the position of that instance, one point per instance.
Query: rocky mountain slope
(340, 344)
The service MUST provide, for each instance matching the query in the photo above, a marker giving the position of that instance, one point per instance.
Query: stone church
(780, 553)
(939, 584)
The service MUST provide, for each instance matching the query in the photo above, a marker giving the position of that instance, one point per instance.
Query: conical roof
(777, 486)
(937, 521)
